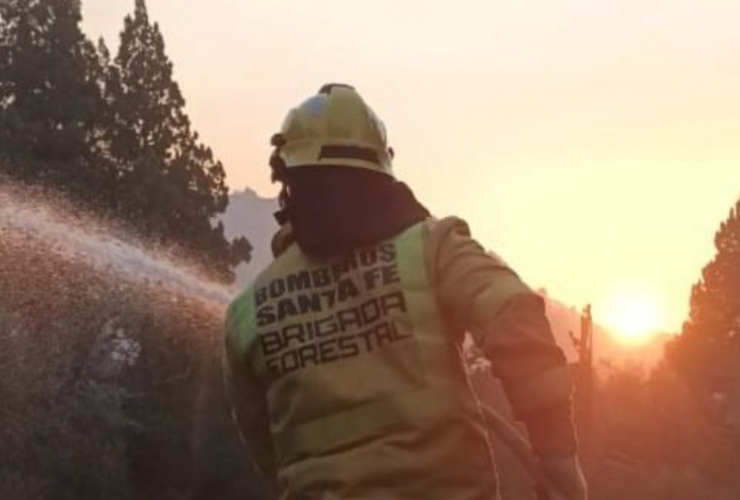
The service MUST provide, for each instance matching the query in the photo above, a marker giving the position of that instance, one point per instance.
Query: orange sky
(595, 147)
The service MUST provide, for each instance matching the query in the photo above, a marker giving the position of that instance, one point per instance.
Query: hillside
(250, 215)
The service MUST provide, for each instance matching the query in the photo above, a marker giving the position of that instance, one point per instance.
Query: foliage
(113, 133)
(177, 184)
(708, 350)
(653, 441)
(49, 97)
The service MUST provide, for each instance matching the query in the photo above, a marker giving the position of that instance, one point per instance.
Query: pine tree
(113, 134)
(708, 350)
(49, 95)
(171, 185)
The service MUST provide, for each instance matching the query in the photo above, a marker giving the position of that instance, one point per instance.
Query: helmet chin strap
(279, 174)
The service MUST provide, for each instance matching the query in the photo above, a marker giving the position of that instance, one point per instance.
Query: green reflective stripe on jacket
(419, 296)
(241, 322)
(423, 310)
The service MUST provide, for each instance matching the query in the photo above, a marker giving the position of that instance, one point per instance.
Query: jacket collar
(283, 239)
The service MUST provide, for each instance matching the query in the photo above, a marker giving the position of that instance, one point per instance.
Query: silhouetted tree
(112, 133)
(708, 350)
(171, 185)
(50, 99)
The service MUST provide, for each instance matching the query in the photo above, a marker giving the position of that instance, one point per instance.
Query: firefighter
(343, 360)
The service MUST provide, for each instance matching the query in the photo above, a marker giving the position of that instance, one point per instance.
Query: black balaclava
(336, 209)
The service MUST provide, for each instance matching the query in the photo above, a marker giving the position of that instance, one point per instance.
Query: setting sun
(633, 316)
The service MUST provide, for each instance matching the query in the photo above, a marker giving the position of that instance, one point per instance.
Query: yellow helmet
(334, 127)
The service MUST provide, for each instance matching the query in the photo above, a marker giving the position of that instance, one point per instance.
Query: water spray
(82, 239)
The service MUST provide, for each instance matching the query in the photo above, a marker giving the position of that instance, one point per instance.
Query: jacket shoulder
(436, 229)
(453, 235)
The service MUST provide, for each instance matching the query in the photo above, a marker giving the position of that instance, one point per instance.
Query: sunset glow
(370, 249)
(587, 143)
(633, 317)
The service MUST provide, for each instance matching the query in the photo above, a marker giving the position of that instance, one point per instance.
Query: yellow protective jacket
(346, 377)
